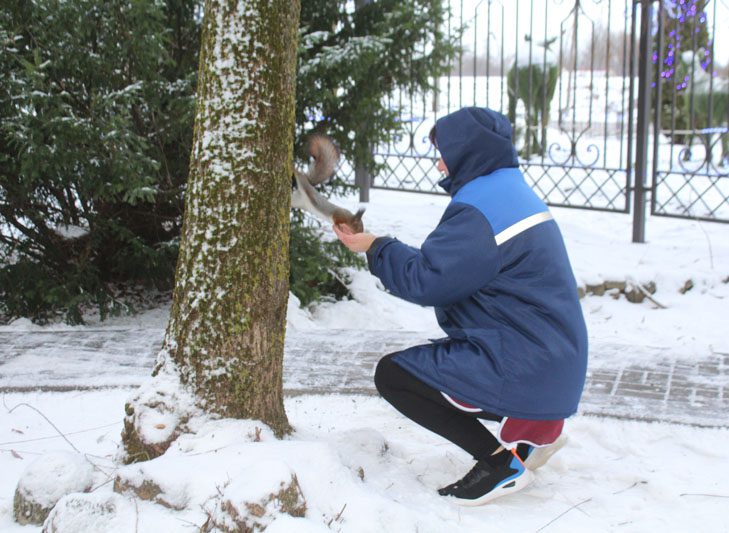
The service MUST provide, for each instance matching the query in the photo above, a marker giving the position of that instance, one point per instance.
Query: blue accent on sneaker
(485, 481)
(517, 465)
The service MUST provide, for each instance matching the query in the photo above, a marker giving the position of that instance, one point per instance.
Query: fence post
(362, 178)
(642, 128)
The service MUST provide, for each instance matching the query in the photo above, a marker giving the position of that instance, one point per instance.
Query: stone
(45, 481)
(686, 286)
(619, 285)
(597, 290)
(236, 515)
(636, 294)
(147, 490)
(81, 513)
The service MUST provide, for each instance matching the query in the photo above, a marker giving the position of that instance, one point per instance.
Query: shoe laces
(475, 473)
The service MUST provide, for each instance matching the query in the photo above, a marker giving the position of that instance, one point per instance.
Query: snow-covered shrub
(96, 114)
(317, 265)
(96, 117)
(46, 480)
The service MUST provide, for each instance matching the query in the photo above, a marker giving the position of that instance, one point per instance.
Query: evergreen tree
(349, 60)
(96, 111)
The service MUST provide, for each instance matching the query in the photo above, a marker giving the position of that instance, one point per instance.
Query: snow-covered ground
(362, 467)
(621, 476)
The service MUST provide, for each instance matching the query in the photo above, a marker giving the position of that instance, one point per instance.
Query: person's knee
(386, 367)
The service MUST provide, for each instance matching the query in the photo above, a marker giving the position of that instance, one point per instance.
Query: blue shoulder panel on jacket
(503, 197)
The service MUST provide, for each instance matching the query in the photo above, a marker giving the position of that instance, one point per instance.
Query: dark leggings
(427, 406)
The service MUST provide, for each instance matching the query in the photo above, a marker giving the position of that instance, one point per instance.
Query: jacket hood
(473, 141)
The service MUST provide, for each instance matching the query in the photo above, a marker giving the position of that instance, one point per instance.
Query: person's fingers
(338, 230)
(343, 229)
(357, 242)
(344, 237)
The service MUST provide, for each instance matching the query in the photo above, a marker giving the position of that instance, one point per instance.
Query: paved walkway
(655, 385)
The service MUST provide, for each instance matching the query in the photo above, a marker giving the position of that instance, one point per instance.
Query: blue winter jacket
(497, 273)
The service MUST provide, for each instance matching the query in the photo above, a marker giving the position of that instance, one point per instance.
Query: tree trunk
(225, 335)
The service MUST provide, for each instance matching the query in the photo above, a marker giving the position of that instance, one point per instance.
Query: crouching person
(497, 273)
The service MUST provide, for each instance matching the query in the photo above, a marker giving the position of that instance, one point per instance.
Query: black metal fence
(690, 173)
(616, 104)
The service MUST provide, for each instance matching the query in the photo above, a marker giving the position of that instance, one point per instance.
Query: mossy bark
(227, 324)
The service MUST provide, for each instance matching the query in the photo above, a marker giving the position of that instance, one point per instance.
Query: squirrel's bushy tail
(326, 157)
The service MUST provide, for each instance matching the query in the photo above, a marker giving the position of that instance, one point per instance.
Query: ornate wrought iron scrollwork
(713, 140)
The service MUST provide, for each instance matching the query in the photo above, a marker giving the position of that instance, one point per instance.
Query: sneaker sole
(541, 455)
(508, 488)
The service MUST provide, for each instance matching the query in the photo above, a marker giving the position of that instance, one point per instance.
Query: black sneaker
(485, 482)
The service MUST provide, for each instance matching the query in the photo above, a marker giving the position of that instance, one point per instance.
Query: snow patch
(168, 405)
(373, 309)
(298, 318)
(258, 480)
(158, 412)
(21, 324)
(286, 524)
(69, 231)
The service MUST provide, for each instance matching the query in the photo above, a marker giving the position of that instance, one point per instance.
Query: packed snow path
(652, 384)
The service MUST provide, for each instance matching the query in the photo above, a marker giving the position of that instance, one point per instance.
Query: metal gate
(601, 119)
(690, 172)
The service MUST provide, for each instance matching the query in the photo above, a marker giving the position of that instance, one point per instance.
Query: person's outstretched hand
(357, 242)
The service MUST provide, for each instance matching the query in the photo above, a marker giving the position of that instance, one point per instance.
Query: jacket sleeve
(459, 257)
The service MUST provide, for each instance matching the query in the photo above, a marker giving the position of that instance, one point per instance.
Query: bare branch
(575, 506)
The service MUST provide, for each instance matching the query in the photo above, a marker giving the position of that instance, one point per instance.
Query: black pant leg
(427, 407)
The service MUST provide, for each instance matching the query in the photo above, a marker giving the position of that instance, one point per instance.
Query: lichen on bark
(227, 324)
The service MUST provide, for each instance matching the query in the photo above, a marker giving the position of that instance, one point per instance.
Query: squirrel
(306, 197)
